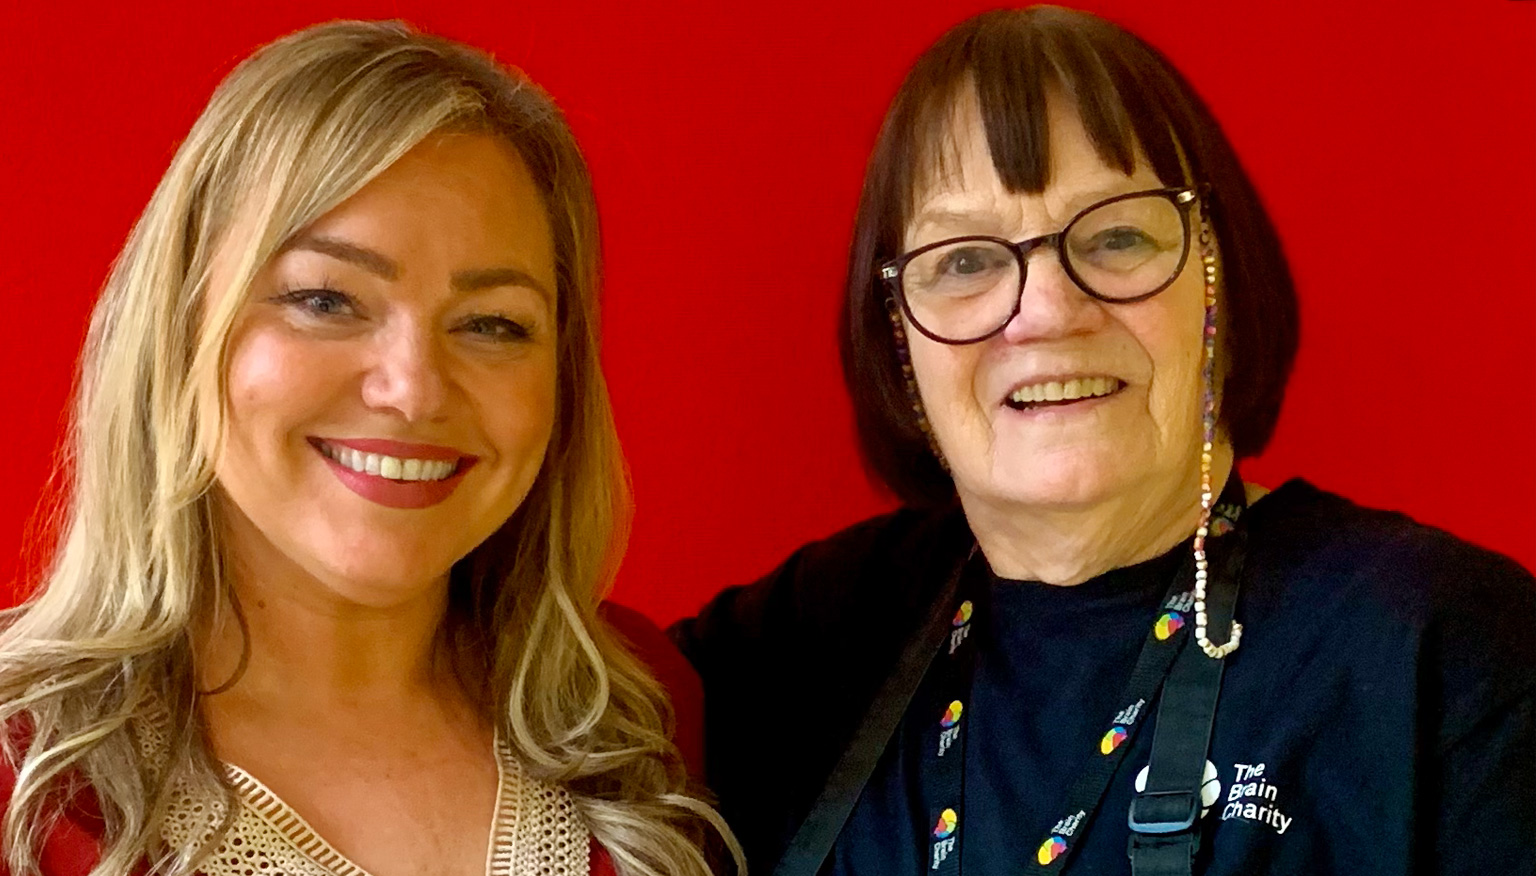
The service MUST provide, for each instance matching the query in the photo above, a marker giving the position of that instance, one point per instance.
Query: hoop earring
(1208, 441)
(909, 379)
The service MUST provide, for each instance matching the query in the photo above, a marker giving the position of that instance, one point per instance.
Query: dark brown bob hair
(1128, 96)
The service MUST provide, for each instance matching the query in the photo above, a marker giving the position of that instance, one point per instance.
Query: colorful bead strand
(909, 378)
(1208, 428)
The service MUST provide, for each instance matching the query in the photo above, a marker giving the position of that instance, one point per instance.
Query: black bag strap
(1165, 817)
(816, 835)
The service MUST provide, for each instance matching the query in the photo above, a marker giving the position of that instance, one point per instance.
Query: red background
(1395, 143)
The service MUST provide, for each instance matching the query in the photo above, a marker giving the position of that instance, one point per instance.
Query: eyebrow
(474, 280)
(945, 216)
(491, 278)
(367, 259)
(965, 215)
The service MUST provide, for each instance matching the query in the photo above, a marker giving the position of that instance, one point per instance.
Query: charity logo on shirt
(1210, 786)
(1253, 798)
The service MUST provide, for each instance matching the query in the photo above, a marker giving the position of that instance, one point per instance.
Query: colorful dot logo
(1112, 740)
(1220, 526)
(952, 715)
(1050, 850)
(963, 616)
(946, 824)
(1167, 625)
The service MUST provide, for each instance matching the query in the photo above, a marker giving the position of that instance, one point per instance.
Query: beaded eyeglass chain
(1208, 441)
(909, 379)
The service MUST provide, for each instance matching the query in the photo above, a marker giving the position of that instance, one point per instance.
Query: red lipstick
(390, 492)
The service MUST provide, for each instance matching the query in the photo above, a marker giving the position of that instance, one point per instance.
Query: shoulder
(651, 645)
(791, 661)
(1386, 555)
(878, 569)
(672, 670)
(1461, 613)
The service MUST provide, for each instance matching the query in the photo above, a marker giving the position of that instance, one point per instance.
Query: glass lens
(962, 290)
(1127, 248)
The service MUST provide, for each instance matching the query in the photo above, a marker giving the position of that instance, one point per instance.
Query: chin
(379, 573)
(1069, 480)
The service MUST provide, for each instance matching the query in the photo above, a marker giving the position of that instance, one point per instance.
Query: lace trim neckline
(265, 804)
(536, 829)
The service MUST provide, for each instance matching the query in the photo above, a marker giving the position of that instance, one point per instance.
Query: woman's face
(391, 378)
(1144, 434)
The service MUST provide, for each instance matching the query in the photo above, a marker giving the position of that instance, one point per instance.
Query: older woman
(1085, 644)
(345, 489)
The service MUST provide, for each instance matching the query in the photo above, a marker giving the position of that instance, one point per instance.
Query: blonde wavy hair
(105, 646)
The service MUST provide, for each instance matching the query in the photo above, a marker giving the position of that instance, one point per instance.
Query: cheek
(266, 377)
(272, 380)
(519, 407)
(946, 378)
(1170, 335)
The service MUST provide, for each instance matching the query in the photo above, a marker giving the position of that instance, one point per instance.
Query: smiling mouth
(392, 468)
(1055, 393)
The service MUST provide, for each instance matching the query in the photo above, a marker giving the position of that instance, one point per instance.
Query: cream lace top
(536, 831)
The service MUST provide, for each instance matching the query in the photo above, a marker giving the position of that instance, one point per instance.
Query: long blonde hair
(104, 647)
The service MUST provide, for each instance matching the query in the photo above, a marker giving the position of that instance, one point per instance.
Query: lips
(395, 474)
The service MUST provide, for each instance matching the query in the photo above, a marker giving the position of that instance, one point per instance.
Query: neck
(307, 646)
(1067, 546)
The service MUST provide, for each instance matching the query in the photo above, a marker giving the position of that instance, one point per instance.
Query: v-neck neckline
(265, 803)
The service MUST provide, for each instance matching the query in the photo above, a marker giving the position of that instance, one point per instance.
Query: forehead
(476, 179)
(958, 180)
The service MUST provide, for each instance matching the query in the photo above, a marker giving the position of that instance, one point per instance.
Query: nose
(1050, 304)
(407, 374)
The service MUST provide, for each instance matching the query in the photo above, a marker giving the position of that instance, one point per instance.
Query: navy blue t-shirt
(1368, 723)
(1052, 664)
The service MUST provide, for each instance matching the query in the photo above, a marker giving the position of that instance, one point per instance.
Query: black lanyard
(952, 673)
(941, 644)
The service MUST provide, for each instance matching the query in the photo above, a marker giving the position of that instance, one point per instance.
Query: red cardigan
(71, 846)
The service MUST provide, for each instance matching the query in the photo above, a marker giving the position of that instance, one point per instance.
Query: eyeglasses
(1122, 249)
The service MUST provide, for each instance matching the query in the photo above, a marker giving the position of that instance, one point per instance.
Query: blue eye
(320, 302)
(496, 328)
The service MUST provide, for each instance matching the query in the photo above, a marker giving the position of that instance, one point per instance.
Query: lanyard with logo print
(1188, 706)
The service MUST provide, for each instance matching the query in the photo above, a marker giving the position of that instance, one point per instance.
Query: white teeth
(391, 467)
(1076, 388)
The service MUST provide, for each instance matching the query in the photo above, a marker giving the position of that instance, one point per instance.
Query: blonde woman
(345, 497)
